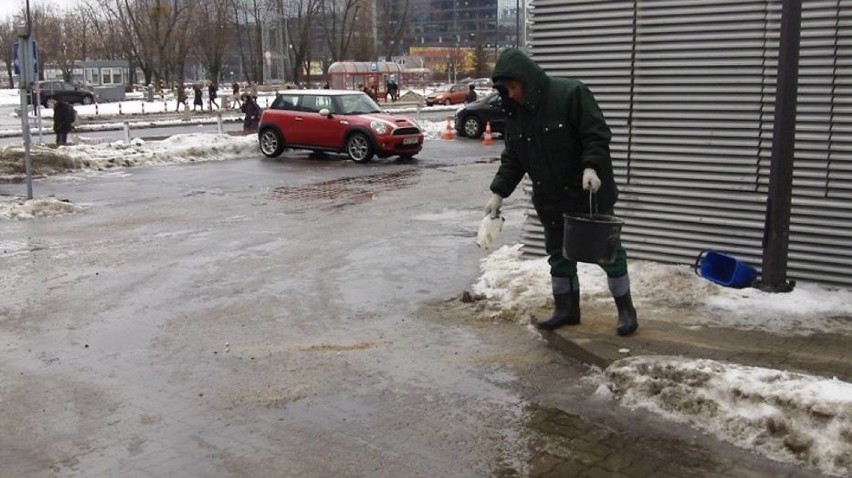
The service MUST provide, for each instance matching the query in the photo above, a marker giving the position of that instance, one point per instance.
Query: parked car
(448, 95)
(470, 121)
(482, 83)
(336, 121)
(62, 90)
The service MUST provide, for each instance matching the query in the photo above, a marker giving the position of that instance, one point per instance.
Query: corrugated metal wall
(688, 88)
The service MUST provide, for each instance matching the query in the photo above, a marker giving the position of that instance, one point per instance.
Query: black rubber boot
(566, 304)
(627, 321)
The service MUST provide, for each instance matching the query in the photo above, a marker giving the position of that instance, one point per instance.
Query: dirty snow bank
(18, 208)
(180, 148)
(516, 287)
(785, 416)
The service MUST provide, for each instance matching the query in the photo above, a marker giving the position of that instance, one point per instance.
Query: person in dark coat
(555, 132)
(235, 93)
(252, 114)
(64, 116)
(181, 97)
(198, 97)
(211, 94)
(471, 95)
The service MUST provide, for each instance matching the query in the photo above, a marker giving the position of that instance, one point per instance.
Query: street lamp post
(517, 23)
(25, 59)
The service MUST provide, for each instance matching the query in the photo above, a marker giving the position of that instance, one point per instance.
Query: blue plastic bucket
(724, 270)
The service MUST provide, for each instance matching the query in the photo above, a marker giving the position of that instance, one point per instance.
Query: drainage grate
(337, 193)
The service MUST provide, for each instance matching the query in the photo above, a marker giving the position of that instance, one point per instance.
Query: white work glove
(591, 181)
(492, 207)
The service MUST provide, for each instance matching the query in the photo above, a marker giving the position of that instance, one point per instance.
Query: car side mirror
(325, 112)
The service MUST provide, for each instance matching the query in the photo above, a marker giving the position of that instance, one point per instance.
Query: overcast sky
(8, 7)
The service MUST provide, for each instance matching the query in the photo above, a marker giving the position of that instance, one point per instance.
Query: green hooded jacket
(557, 133)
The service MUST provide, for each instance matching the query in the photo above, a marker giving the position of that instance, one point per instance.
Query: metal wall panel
(688, 88)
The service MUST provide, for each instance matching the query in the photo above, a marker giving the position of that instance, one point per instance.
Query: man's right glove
(591, 182)
(492, 207)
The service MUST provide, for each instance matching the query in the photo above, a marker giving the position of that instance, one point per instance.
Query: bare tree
(212, 27)
(302, 17)
(339, 25)
(248, 21)
(156, 28)
(393, 19)
(8, 35)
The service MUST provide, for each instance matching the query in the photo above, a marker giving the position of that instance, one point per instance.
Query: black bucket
(591, 238)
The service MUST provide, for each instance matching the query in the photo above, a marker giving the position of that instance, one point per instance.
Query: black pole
(517, 23)
(776, 237)
(29, 20)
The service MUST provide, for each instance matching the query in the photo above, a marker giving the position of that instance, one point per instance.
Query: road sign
(16, 61)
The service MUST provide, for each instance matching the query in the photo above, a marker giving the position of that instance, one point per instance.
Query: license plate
(409, 141)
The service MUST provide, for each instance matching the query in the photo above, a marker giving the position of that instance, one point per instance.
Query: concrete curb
(594, 342)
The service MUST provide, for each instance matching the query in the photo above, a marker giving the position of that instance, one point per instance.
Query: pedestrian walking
(555, 132)
(471, 94)
(392, 88)
(211, 94)
(198, 97)
(181, 97)
(64, 116)
(235, 94)
(251, 121)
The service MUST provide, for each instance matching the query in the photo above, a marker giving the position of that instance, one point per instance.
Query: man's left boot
(627, 320)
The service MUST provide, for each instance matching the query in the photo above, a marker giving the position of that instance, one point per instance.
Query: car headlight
(379, 127)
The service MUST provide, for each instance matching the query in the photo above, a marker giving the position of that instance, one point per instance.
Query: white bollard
(185, 112)
(219, 122)
(127, 132)
(119, 108)
(96, 109)
(143, 107)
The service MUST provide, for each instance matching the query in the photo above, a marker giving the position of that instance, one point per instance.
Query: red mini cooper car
(336, 121)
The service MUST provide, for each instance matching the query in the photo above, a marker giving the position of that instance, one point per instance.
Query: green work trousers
(562, 267)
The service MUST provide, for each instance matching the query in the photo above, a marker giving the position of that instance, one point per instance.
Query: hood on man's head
(514, 64)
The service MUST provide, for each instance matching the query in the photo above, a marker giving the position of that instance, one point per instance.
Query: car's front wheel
(359, 148)
(472, 127)
(87, 100)
(271, 142)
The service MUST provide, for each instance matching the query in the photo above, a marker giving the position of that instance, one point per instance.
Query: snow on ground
(18, 208)
(518, 286)
(785, 416)
(181, 148)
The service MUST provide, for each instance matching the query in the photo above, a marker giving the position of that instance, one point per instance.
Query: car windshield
(357, 104)
(443, 89)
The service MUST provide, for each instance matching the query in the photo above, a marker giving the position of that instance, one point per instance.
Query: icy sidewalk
(767, 372)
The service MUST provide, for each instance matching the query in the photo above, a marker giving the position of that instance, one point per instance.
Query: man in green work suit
(555, 132)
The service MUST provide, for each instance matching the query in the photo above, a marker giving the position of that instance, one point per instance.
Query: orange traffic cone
(448, 132)
(488, 140)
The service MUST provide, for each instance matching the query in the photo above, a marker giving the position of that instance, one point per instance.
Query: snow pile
(97, 157)
(516, 287)
(18, 208)
(785, 416)
(432, 129)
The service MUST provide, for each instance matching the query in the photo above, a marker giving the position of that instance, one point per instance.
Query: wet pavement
(295, 317)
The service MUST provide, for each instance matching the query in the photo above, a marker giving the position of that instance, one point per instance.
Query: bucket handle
(698, 261)
(593, 212)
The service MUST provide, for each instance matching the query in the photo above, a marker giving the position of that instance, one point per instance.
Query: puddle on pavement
(338, 193)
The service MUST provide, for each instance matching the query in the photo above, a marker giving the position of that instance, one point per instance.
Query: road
(295, 317)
